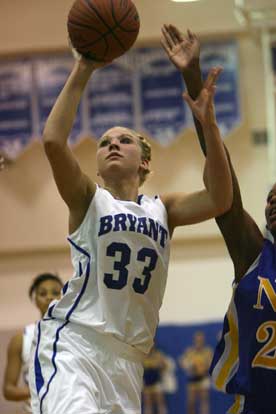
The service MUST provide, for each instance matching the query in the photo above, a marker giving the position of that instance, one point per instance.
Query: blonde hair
(146, 154)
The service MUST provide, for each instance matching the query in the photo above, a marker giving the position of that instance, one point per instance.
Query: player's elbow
(7, 393)
(224, 205)
(51, 146)
(49, 139)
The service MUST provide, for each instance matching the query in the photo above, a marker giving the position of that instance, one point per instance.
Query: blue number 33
(139, 285)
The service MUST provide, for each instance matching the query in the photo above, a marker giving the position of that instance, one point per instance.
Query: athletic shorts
(79, 371)
(202, 384)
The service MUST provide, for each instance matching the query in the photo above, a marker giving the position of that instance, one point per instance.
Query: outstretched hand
(84, 62)
(182, 50)
(203, 106)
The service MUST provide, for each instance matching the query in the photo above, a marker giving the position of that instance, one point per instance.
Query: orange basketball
(103, 30)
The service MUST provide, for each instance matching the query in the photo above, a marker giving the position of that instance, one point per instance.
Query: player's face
(45, 293)
(270, 210)
(119, 152)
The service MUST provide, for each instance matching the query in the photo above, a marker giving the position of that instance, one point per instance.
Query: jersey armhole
(251, 267)
(72, 235)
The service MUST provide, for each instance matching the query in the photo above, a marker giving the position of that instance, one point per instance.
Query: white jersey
(27, 338)
(120, 255)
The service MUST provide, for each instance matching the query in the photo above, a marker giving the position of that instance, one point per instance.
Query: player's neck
(127, 190)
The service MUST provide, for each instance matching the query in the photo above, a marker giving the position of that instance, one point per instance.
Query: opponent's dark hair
(42, 278)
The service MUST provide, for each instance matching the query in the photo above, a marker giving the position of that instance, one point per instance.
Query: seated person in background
(196, 361)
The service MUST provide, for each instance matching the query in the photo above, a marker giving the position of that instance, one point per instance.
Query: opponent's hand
(203, 106)
(183, 51)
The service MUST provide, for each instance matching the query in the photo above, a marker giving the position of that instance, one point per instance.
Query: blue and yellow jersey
(244, 361)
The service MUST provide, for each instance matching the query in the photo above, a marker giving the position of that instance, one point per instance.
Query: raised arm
(241, 234)
(217, 198)
(74, 186)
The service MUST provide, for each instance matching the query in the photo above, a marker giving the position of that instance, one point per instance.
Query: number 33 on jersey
(120, 254)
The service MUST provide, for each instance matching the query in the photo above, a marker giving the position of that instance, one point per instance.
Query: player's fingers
(217, 72)
(212, 77)
(190, 35)
(165, 44)
(168, 36)
(188, 99)
(177, 34)
(212, 92)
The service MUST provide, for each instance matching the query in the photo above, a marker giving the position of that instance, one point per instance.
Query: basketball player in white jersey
(90, 346)
(43, 290)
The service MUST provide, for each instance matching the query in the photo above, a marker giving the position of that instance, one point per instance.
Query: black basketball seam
(76, 25)
(122, 19)
(101, 36)
(82, 25)
(91, 7)
(110, 28)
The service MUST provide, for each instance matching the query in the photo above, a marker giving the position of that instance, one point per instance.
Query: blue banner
(15, 107)
(110, 99)
(141, 90)
(173, 341)
(51, 74)
(163, 111)
(227, 98)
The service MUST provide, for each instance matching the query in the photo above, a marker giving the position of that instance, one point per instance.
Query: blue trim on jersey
(80, 269)
(39, 380)
(69, 313)
(65, 287)
(87, 274)
(54, 364)
(50, 311)
(139, 199)
(80, 249)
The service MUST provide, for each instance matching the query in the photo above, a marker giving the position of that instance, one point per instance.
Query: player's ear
(144, 164)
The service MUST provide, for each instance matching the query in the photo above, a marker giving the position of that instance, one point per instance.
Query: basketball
(103, 30)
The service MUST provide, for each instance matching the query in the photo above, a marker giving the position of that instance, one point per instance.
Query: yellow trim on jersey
(232, 358)
(237, 406)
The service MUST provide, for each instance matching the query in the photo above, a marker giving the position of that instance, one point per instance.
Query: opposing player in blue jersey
(91, 344)
(244, 363)
(44, 288)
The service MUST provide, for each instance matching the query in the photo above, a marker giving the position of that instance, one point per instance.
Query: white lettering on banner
(14, 124)
(164, 114)
(110, 118)
(156, 71)
(225, 87)
(161, 93)
(224, 107)
(112, 99)
(8, 106)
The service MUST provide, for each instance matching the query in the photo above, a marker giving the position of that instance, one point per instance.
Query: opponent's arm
(11, 390)
(217, 198)
(241, 234)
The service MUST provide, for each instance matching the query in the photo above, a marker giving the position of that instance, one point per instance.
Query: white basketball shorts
(79, 371)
